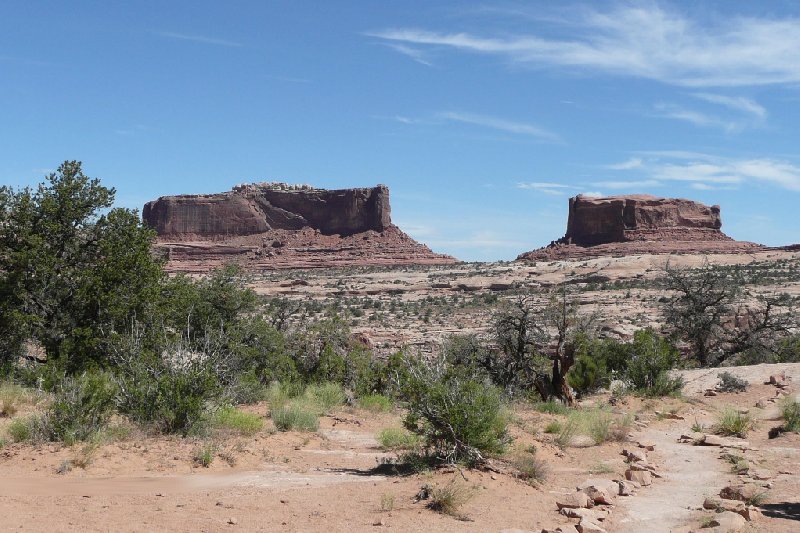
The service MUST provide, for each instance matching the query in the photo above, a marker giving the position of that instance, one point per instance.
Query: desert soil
(333, 480)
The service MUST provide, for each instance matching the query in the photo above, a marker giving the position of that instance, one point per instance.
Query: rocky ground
(418, 306)
(661, 475)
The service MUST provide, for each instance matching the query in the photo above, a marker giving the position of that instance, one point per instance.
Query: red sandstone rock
(266, 226)
(639, 224)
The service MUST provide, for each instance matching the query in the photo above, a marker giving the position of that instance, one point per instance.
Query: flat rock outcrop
(639, 224)
(275, 225)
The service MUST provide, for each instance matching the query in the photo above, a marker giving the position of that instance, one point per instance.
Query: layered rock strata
(275, 225)
(639, 224)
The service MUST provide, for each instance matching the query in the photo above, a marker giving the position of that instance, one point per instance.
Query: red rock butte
(276, 225)
(639, 224)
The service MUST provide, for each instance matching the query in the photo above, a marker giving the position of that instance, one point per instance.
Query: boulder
(642, 477)
(574, 500)
(626, 488)
(602, 495)
(727, 522)
(589, 526)
(742, 493)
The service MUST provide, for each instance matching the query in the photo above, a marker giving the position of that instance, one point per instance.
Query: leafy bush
(81, 407)
(730, 383)
(172, 395)
(790, 411)
(397, 439)
(585, 375)
(651, 359)
(204, 455)
(375, 403)
(231, 419)
(733, 423)
(459, 418)
(295, 416)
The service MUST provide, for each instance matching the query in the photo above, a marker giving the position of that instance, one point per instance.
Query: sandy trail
(690, 474)
(266, 479)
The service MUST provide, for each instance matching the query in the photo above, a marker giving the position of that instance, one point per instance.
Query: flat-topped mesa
(639, 224)
(257, 208)
(594, 221)
(277, 225)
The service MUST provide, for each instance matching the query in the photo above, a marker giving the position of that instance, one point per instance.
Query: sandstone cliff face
(639, 224)
(251, 209)
(269, 225)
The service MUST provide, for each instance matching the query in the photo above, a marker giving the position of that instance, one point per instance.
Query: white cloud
(555, 189)
(708, 172)
(197, 38)
(644, 40)
(633, 184)
(518, 128)
(593, 194)
(697, 118)
(633, 162)
(414, 53)
(737, 103)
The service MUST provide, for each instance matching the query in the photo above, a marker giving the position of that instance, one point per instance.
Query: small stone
(760, 474)
(601, 495)
(587, 514)
(710, 392)
(647, 445)
(728, 521)
(626, 488)
(642, 477)
(635, 455)
(740, 492)
(378, 522)
(587, 526)
(761, 404)
(751, 513)
(574, 501)
(232, 521)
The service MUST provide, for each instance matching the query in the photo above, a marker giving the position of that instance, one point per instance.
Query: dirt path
(690, 474)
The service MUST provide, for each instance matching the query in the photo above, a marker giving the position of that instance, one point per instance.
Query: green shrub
(651, 359)
(294, 416)
(279, 393)
(602, 426)
(326, 395)
(231, 419)
(375, 403)
(554, 426)
(171, 397)
(204, 455)
(530, 468)
(450, 498)
(585, 375)
(566, 433)
(397, 439)
(733, 423)
(81, 407)
(459, 418)
(790, 411)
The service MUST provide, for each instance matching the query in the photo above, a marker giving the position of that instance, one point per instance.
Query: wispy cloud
(414, 53)
(633, 162)
(645, 40)
(628, 185)
(709, 172)
(486, 121)
(555, 189)
(737, 103)
(198, 38)
(697, 118)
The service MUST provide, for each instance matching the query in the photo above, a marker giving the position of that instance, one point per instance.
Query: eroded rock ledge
(639, 224)
(276, 225)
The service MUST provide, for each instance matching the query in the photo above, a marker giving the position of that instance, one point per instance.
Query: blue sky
(483, 118)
